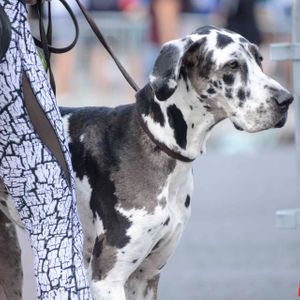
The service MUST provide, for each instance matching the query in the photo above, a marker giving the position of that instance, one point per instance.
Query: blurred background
(135, 29)
(231, 248)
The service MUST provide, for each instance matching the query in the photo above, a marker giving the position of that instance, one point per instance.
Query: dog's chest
(177, 192)
(163, 229)
(164, 224)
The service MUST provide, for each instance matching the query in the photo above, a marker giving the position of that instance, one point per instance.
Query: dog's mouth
(282, 121)
(238, 127)
(279, 124)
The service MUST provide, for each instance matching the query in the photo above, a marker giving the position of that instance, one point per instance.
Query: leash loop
(51, 48)
(46, 39)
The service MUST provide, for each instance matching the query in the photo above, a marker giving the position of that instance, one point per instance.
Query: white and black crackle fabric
(41, 188)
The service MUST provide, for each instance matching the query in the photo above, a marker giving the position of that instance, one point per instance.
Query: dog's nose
(283, 98)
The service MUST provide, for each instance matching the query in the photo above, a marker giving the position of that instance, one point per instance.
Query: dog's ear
(166, 70)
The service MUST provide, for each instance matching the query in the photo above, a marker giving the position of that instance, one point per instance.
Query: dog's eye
(233, 64)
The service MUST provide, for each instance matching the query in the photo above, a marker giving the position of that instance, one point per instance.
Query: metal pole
(296, 77)
(290, 218)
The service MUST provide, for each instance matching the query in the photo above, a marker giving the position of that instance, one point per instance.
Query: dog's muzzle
(283, 99)
(5, 32)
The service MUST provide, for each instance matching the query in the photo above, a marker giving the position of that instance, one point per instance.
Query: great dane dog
(133, 163)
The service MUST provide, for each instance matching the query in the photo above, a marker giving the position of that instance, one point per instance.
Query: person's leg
(35, 165)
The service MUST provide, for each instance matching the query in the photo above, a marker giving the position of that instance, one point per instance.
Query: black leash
(51, 48)
(102, 40)
(46, 39)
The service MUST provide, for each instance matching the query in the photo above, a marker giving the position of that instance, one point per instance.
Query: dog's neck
(182, 122)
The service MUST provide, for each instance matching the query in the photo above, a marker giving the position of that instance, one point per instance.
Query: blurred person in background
(201, 6)
(240, 17)
(166, 22)
(89, 72)
(117, 20)
(63, 33)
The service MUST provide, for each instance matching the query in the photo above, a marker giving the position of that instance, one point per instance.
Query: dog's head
(224, 71)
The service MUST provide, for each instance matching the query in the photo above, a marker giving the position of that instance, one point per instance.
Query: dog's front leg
(107, 274)
(107, 290)
(140, 287)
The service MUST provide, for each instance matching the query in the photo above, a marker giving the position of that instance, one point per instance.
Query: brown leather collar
(160, 145)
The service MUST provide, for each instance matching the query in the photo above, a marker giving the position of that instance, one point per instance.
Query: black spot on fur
(207, 107)
(178, 124)
(148, 106)
(211, 90)
(187, 201)
(166, 223)
(241, 94)
(215, 84)
(193, 125)
(205, 64)
(183, 75)
(228, 79)
(98, 246)
(134, 261)
(244, 72)
(103, 199)
(223, 40)
(228, 93)
(162, 90)
(191, 107)
(77, 150)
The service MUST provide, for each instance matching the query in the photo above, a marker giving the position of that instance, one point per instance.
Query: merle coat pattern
(134, 199)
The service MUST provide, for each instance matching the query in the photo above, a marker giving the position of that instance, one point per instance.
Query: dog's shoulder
(80, 120)
(97, 135)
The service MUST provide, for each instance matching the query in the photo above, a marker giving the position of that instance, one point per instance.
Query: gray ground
(231, 249)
